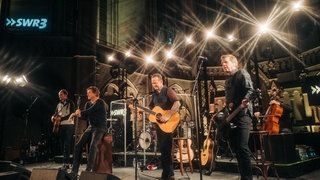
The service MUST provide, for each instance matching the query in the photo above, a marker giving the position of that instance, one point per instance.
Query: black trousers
(240, 138)
(65, 137)
(165, 144)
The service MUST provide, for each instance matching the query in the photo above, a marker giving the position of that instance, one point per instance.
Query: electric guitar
(244, 104)
(157, 112)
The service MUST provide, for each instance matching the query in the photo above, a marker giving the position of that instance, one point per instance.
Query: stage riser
(284, 170)
(45, 174)
(97, 176)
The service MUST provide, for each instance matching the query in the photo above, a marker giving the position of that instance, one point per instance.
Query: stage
(128, 173)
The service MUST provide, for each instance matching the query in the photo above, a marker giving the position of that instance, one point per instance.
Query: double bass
(273, 114)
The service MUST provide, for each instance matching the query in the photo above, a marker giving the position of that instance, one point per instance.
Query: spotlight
(21, 81)
(169, 54)
(6, 79)
(110, 58)
(296, 6)
(128, 53)
(209, 34)
(263, 28)
(230, 38)
(189, 40)
(149, 59)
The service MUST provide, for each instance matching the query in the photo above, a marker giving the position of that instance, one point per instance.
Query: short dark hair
(94, 89)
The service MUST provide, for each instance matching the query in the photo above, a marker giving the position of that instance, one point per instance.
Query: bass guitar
(157, 112)
(243, 105)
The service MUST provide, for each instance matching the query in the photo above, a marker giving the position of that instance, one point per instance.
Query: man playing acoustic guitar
(63, 127)
(167, 99)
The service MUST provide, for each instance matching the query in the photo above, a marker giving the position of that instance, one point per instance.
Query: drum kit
(148, 137)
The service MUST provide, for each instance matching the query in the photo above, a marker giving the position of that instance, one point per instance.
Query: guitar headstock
(78, 102)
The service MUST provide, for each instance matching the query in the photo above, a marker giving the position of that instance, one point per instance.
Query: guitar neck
(210, 125)
(147, 110)
(234, 113)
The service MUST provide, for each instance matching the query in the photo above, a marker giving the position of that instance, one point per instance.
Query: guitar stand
(229, 149)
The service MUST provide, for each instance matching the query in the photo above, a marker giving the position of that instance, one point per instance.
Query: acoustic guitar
(185, 146)
(56, 120)
(184, 151)
(156, 113)
(207, 148)
(56, 123)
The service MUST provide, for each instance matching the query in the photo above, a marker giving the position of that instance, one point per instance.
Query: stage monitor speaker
(10, 175)
(282, 148)
(85, 175)
(47, 173)
(8, 166)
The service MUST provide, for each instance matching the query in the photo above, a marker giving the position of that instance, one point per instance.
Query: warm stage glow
(128, 53)
(231, 38)
(169, 54)
(21, 81)
(264, 28)
(297, 5)
(110, 58)
(276, 29)
(6, 79)
(149, 59)
(189, 40)
(17, 81)
(209, 34)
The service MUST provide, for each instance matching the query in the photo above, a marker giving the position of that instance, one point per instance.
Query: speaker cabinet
(85, 175)
(46, 174)
(282, 148)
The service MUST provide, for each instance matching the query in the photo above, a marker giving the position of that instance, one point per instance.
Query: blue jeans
(65, 137)
(96, 135)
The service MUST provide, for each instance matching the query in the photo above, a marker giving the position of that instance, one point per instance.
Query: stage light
(128, 53)
(149, 59)
(230, 38)
(263, 28)
(189, 40)
(209, 34)
(169, 54)
(296, 6)
(110, 58)
(6, 79)
(21, 81)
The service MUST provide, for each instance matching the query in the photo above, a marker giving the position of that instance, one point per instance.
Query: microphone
(202, 57)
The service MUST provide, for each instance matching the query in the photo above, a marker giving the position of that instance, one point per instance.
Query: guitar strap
(64, 106)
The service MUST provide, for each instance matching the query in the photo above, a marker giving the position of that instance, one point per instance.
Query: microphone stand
(25, 143)
(196, 113)
(135, 109)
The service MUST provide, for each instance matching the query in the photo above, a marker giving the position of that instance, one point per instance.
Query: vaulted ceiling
(154, 27)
